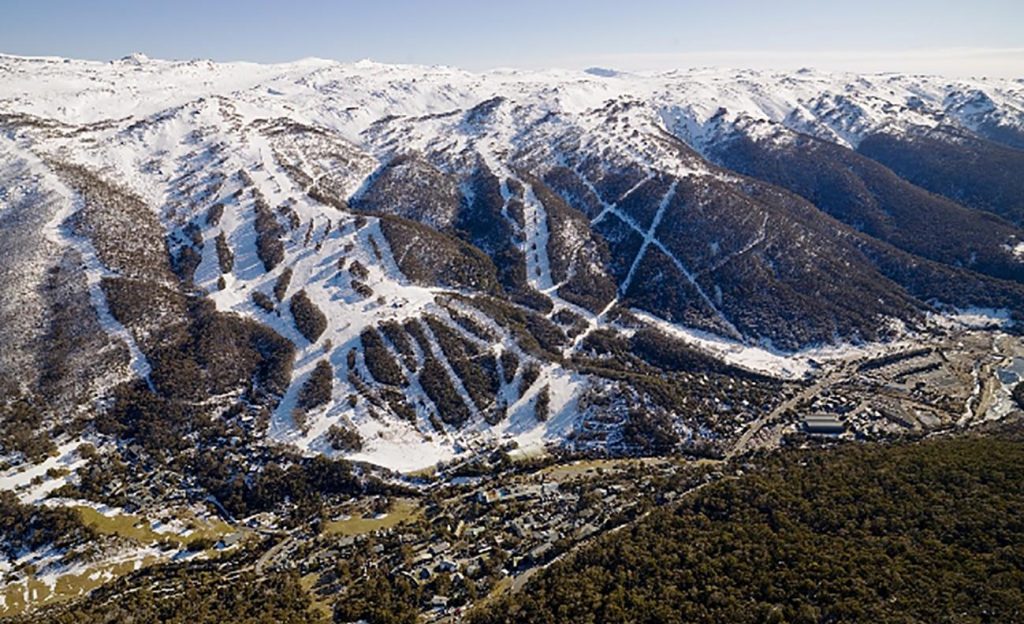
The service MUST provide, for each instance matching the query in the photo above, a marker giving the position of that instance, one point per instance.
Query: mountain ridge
(493, 216)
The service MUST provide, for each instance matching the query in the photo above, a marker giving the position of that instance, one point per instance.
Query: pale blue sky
(870, 35)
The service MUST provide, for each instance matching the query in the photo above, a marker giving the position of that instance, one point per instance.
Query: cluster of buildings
(502, 528)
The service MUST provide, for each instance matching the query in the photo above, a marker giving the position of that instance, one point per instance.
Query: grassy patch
(428, 472)
(589, 467)
(402, 510)
(33, 592)
(140, 530)
(319, 605)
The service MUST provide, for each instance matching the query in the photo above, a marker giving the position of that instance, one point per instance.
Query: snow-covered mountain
(399, 263)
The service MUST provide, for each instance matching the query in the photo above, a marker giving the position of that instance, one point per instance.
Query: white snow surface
(762, 358)
(349, 97)
(31, 482)
(174, 133)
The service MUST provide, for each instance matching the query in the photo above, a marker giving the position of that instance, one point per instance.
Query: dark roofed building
(823, 424)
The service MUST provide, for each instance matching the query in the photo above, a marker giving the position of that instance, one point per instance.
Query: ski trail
(538, 265)
(509, 393)
(682, 269)
(414, 392)
(649, 236)
(535, 234)
(606, 207)
(94, 274)
(651, 239)
(508, 196)
(435, 350)
(57, 232)
(757, 240)
(315, 269)
(593, 324)
(503, 174)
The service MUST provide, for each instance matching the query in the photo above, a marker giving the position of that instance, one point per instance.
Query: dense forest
(928, 532)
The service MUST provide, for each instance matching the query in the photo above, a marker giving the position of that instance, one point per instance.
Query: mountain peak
(135, 58)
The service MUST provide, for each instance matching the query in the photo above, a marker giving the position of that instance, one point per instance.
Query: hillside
(909, 533)
(400, 191)
(244, 300)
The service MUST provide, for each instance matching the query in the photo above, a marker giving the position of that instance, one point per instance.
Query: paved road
(271, 553)
(742, 444)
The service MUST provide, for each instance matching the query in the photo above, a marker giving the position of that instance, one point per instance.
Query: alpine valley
(351, 341)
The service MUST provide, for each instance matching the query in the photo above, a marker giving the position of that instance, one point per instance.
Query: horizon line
(1011, 58)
